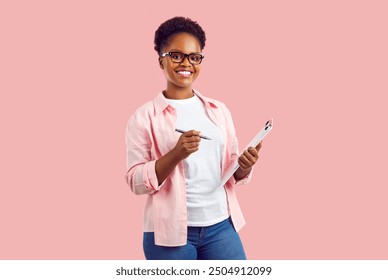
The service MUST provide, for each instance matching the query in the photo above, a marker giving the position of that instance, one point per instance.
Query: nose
(186, 61)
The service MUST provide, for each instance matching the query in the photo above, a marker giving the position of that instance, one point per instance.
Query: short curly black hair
(176, 25)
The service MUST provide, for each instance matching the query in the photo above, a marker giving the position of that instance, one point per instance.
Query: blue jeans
(215, 242)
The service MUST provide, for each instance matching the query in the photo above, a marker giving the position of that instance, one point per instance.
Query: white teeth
(184, 72)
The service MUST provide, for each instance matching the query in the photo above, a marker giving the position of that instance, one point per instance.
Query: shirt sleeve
(141, 175)
(235, 150)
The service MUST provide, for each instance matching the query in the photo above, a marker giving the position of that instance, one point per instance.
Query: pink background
(72, 72)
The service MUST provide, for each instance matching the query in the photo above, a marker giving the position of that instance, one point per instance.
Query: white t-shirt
(206, 200)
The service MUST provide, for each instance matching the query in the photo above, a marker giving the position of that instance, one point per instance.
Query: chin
(184, 84)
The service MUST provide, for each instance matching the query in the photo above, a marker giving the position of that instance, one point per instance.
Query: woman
(187, 215)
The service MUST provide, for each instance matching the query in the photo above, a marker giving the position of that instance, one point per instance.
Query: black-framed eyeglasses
(178, 57)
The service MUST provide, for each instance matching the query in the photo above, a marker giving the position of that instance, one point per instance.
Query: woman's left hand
(249, 157)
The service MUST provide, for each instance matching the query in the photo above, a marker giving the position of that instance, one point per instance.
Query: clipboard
(254, 142)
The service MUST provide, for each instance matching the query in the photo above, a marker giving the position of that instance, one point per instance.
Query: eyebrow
(174, 50)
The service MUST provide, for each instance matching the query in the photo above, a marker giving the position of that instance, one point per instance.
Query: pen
(182, 131)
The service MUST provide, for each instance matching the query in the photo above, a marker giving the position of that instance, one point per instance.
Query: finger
(251, 158)
(191, 133)
(195, 139)
(192, 149)
(192, 145)
(258, 146)
(192, 139)
(244, 160)
(242, 164)
(252, 151)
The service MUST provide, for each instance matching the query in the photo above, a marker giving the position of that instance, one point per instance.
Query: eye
(195, 57)
(176, 55)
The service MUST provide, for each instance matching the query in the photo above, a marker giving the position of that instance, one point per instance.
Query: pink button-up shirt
(150, 134)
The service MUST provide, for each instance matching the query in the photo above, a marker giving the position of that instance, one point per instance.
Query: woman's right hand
(187, 144)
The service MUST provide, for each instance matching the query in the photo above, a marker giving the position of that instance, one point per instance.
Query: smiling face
(180, 76)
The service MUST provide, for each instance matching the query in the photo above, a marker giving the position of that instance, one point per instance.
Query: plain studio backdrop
(72, 73)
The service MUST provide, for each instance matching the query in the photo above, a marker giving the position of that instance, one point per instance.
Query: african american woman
(178, 147)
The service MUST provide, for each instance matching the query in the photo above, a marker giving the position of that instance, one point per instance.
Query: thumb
(258, 147)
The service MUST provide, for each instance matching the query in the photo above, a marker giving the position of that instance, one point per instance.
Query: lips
(184, 73)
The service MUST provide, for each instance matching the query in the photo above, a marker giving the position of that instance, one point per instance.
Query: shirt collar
(161, 103)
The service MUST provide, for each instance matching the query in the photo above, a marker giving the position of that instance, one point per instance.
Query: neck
(178, 93)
